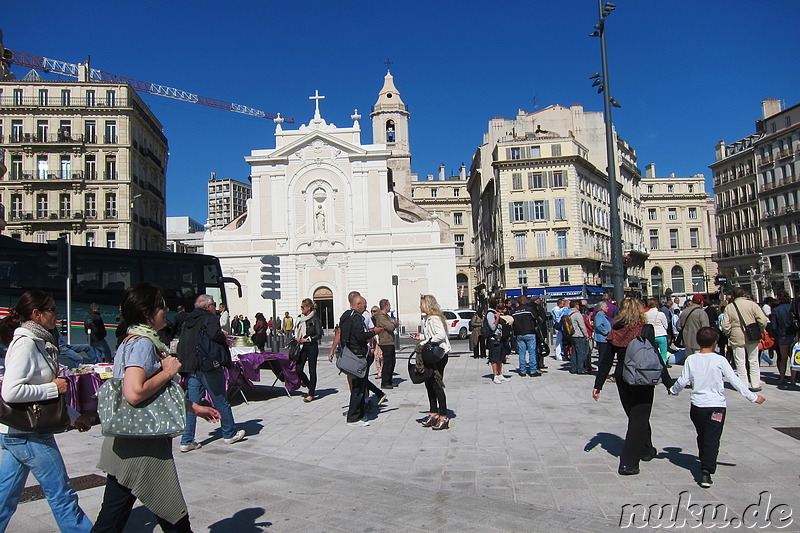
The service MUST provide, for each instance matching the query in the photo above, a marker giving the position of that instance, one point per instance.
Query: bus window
(107, 275)
(216, 293)
(211, 275)
(176, 277)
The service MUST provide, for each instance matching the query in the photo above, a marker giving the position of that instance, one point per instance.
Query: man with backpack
(497, 333)
(558, 312)
(525, 327)
(574, 326)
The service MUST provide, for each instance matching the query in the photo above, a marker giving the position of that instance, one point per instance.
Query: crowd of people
(714, 340)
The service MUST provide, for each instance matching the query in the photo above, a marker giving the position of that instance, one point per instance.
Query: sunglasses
(53, 309)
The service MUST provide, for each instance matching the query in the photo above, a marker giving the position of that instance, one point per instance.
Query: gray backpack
(643, 364)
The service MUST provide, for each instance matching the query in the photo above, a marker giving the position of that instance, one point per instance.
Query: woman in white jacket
(434, 331)
(30, 375)
(658, 319)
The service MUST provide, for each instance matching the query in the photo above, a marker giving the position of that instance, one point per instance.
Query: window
(41, 167)
(561, 243)
(90, 205)
(65, 97)
(670, 188)
(390, 131)
(41, 237)
(563, 274)
(517, 212)
(65, 130)
(657, 281)
(90, 239)
(691, 188)
(111, 239)
(111, 167)
(651, 214)
(541, 244)
(41, 130)
(433, 193)
(520, 242)
(555, 150)
(541, 210)
(456, 192)
(513, 153)
(42, 97)
(558, 179)
(90, 131)
(654, 239)
(111, 99)
(693, 212)
(91, 167)
(649, 189)
(16, 206)
(111, 205)
(90, 98)
(535, 180)
(560, 208)
(458, 219)
(543, 276)
(677, 280)
(16, 167)
(516, 181)
(16, 131)
(41, 206)
(111, 132)
(64, 203)
(694, 237)
(673, 239)
(65, 166)
(698, 279)
(672, 213)
(532, 152)
(522, 277)
(17, 96)
(459, 240)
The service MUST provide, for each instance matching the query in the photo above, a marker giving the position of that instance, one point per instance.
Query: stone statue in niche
(320, 216)
(319, 210)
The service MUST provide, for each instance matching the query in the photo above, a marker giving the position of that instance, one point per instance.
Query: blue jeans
(577, 364)
(214, 383)
(38, 453)
(529, 364)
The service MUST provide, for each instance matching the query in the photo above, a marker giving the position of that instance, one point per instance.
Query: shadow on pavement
(611, 443)
(243, 521)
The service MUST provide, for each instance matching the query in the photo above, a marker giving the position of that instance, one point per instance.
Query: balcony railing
(110, 175)
(789, 180)
(766, 160)
(109, 139)
(788, 210)
(45, 138)
(56, 101)
(783, 154)
(45, 176)
(780, 241)
(110, 213)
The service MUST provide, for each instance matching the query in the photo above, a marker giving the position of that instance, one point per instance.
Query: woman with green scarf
(143, 468)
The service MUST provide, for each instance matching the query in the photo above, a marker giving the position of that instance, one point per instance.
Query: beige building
(540, 206)
(680, 228)
(758, 214)
(227, 200)
(84, 159)
(446, 198)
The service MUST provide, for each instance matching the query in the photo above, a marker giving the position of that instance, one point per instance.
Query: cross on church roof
(316, 99)
(388, 63)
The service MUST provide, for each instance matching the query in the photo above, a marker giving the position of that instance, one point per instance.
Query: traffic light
(57, 260)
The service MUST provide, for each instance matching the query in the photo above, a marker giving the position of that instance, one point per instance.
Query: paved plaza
(533, 454)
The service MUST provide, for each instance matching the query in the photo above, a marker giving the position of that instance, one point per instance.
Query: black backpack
(506, 331)
(486, 329)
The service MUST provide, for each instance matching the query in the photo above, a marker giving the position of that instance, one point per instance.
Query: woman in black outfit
(308, 332)
(637, 400)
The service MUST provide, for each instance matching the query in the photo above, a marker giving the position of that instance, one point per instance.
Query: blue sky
(688, 73)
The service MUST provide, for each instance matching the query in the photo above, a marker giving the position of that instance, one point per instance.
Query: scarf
(300, 327)
(148, 332)
(49, 341)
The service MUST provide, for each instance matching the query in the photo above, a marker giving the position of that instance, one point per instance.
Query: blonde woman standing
(434, 330)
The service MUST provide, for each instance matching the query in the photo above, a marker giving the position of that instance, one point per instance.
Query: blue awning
(531, 291)
(565, 290)
(595, 290)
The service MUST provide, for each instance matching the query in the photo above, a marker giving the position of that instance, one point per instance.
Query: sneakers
(504, 378)
(705, 480)
(194, 445)
(236, 438)
(497, 380)
(358, 424)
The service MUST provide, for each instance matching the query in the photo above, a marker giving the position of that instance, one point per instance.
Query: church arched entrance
(323, 298)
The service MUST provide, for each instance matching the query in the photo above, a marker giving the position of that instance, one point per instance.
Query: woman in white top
(31, 368)
(434, 331)
(658, 319)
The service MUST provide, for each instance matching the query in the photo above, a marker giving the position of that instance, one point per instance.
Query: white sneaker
(194, 445)
(236, 438)
(358, 424)
(497, 380)
(504, 378)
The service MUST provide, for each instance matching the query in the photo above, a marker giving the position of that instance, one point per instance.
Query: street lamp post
(617, 268)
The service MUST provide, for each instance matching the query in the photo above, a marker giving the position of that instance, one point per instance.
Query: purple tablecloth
(247, 369)
(81, 390)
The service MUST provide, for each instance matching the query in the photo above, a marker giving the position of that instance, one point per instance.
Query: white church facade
(333, 210)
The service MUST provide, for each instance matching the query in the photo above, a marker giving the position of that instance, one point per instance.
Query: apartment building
(540, 206)
(84, 159)
(758, 214)
(446, 198)
(185, 235)
(679, 224)
(227, 200)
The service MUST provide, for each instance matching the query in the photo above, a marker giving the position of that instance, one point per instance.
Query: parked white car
(458, 322)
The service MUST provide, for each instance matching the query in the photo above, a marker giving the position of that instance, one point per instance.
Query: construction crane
(75, 71)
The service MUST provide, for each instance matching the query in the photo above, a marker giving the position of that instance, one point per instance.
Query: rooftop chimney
(441, 172)
(462, 172)
(650, 170)
(769, 107)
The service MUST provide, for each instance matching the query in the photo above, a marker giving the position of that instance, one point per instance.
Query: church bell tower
(390, 127)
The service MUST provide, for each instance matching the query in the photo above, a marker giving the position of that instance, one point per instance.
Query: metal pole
(69, 291)
(397, 312)
(274, 325)
(617, 270)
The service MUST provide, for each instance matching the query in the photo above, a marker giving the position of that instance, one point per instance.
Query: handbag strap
(741, 320)
(687, 318)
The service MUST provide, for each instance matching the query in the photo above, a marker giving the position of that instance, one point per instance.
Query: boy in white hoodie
(706, 370)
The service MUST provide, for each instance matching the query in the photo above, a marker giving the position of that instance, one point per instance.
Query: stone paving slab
(533, 454)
